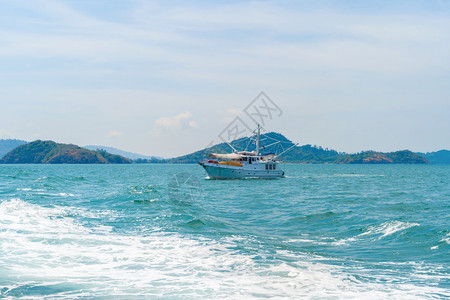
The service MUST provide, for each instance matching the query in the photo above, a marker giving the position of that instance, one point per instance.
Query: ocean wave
(29, 190)
(47, 246)
(56, 194)
(65, 195)
(138, 189)
(357, 175)
(446, 239)
(41, 178)
(388, 228)
(378, 232)
(320, 176)
(43, 192)
(145, 201)
(23, 217)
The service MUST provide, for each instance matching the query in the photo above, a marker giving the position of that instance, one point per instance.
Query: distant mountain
(8, 145)
(49, 152)
(372, 157)
(304, 154)
(298, 154)
(438, 157)
(272, 142)
(126, 154)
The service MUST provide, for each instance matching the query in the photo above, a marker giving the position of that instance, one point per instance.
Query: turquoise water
(166, 231)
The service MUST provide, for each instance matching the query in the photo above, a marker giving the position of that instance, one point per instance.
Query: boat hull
(217, 171)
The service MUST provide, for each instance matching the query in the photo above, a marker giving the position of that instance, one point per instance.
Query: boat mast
(257, 139)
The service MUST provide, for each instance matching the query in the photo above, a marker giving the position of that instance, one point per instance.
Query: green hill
(372, 157)
(8, 145)
(298, 154)
(49, 152)
(438, 157)
(304, 154)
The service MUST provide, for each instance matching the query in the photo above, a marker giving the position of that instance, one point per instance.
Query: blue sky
(166, 77)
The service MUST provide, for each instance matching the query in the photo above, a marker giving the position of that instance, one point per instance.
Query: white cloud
(193, 124)
(115, 134)
(231, 114)
(182, 121)
(149, 56)
(234, 111)
(342, 40)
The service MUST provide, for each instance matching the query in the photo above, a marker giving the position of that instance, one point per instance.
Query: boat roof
(238, 155)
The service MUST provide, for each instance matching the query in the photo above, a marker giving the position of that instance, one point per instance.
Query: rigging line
(249, 141)
(277, 149)
(229, 144)
(266, 136)
(265, 146)
(276, 156)
(278, 140)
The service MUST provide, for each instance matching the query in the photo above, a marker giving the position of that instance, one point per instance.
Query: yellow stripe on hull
(231, 163)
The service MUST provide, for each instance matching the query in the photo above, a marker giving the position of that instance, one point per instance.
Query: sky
(167, 78)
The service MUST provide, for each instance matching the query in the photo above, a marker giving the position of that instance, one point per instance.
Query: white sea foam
(379, 231)
(29, 190)
(301, 241)
(357, 175)
(388, 228)
(65, 195)
(344, 241)
(56, 194)
(43, 192)
(350, 175)
(43, 245)
(446, 239)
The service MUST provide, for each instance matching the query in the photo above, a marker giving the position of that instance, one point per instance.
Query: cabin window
(270, 167)
(267, 167)
(273, 167)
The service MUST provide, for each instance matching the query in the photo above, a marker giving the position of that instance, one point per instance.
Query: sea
(161, 231)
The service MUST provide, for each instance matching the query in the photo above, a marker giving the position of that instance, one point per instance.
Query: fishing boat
(244, 164)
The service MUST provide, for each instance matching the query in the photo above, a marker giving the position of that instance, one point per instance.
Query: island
(50, 152)
(306, 154)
